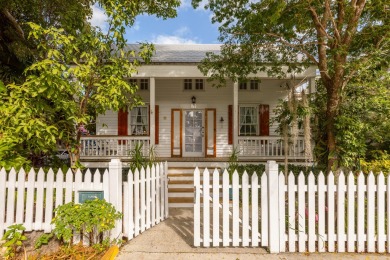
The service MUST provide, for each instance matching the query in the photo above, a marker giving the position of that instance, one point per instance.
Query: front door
(193, 133)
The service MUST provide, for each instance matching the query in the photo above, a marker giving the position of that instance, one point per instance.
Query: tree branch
(13, 22)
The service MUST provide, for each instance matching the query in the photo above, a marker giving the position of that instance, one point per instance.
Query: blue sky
(189, 27)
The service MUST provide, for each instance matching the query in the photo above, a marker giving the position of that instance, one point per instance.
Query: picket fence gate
(310, 215)
(30, 199)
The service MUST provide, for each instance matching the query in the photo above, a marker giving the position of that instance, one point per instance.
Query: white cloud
(182, 31)
(99, 18)
(179, 36)
(172, 39)
(136, 26)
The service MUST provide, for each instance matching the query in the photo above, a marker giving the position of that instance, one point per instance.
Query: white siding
(269, 93)
(107, 124)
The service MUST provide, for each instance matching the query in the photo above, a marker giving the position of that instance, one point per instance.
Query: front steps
(181, 182)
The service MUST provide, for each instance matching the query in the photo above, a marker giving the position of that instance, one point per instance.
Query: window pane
(187, 84)
(242, 85)
(139, 121)
(199, 84)
(254, 84)
(144, 84)
(248, 120)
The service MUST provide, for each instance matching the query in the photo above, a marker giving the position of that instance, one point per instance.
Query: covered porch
(259, 148)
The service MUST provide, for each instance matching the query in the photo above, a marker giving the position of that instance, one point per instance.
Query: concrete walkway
(173, 239)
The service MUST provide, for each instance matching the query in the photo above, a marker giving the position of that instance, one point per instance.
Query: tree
(17, 51)
(342, 38)
(74, 74)
(363, 128)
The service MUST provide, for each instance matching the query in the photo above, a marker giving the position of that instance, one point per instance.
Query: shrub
(91, 219)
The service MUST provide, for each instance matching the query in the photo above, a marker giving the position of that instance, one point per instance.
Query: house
(186, 119)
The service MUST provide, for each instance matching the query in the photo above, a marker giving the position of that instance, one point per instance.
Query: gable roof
(180, 53)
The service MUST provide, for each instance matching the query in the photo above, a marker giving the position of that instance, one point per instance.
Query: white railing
(110, 146)
(30, 199)
(270, 147)
(344, 213)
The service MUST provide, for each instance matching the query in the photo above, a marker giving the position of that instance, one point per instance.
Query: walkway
(173, 239)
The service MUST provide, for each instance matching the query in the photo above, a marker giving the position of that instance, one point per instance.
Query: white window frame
(242, 120)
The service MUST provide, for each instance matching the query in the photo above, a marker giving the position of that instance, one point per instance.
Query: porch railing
(270, 147)
(97, 146)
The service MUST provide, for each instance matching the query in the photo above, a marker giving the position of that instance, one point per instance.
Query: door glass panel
(193, 131)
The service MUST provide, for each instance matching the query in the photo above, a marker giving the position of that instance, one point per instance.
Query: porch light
(193, 99)
(221, 120)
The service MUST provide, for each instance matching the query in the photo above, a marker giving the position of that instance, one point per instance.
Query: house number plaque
(90, 195)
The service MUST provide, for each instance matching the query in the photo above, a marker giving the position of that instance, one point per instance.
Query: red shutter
(157, 124)
(230, 124)
(264, 120)
(122, 122)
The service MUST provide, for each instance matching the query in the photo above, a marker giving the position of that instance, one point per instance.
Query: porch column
(312, 85)
(152, 102)
(235, 114)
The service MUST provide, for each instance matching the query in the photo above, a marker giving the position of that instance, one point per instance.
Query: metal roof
(180, 53)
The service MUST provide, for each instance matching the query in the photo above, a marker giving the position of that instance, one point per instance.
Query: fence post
(115, 193)
(271, 169)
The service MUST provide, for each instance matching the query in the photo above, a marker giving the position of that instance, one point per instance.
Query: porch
(250, 148)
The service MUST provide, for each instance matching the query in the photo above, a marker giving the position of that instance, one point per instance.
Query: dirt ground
(29, 245)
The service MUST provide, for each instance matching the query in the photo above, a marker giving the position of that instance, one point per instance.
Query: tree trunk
(333, 101)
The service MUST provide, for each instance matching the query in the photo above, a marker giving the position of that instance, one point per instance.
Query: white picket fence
(30, 199)
(350, 215)
(145, 199)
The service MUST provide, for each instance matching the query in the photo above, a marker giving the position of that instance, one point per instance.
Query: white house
(186, 119)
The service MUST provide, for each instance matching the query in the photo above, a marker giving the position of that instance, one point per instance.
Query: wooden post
(115, 193)
(273, 208)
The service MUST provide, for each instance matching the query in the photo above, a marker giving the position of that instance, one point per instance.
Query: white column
(152, 100)
(271, 169)
(312, 85)
(115, 193)
(235, 114)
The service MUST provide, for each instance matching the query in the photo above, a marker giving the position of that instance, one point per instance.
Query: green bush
(91, 218)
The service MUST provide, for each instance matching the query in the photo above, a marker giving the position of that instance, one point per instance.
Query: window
(143, 84)
(198, 84)
(242, 85)
(187, 84)
(253, 85)
(248, 120)
(139, 121)
(133, 81)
